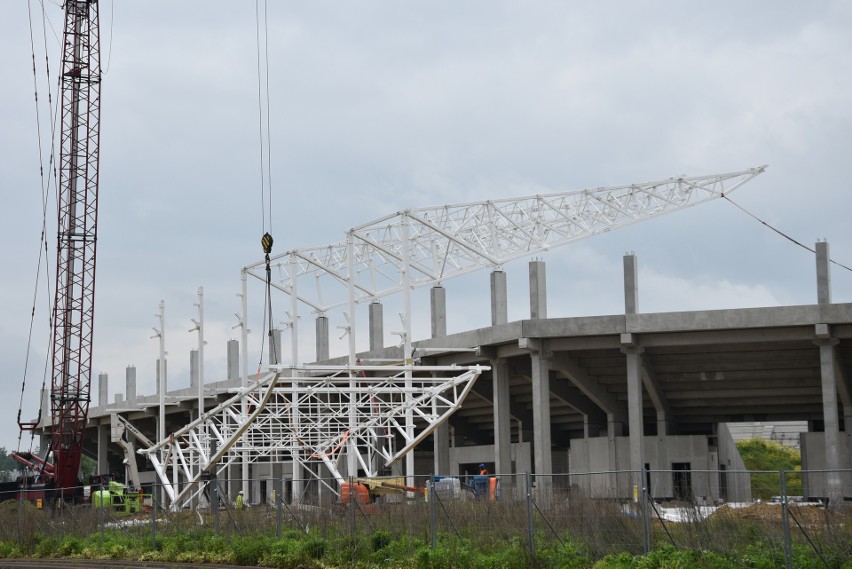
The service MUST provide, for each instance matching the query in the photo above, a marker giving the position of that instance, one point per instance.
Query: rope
(779, 232)
(265, 147)
(45, 187)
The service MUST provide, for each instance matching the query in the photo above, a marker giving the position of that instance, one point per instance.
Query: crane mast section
(73, 309)
(451, 240)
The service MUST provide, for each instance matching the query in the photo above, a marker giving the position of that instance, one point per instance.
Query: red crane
(77, 205)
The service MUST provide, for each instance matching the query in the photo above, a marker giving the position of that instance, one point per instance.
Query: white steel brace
(314, 414)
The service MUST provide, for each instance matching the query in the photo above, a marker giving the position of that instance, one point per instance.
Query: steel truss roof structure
(310, 415)
(437, 243)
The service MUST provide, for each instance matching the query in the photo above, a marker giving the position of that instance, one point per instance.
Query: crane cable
(43, 246)
(781, 233)
(265, 144)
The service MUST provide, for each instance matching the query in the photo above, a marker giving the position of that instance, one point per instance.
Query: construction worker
(238, 503)
(482, 470)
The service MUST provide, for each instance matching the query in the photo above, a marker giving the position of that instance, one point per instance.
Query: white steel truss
(447, 241)
(314, 414)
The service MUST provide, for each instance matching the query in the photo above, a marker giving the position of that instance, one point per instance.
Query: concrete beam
(592, 389)
(574, 398)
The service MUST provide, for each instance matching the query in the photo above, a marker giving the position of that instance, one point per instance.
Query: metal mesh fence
(601, 512)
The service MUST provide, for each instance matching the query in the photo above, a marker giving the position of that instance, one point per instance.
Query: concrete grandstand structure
(607, 393)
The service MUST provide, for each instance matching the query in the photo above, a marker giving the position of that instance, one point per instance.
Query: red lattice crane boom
(77, 205)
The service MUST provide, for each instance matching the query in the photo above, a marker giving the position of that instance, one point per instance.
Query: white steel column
(199, 327)
(244, 471)
(406, 354)
(295, 456)
(352, 449)
(294, 314)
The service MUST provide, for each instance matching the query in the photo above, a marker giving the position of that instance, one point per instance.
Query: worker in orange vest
(482, 470)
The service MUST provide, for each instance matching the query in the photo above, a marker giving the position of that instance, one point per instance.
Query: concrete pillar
(538, 291)
(438, 297)
(614, 429)
(377, 328)
(193, 369)
(119, 398)
(635, 418)
(542, 457)
(103, 446)
(502, 420)
(631, 284)
(499, 298)
(275, 354)
(441, 435)
(322, 353)
(165, 379)
(823, 273)
(829, 369)
(233, 360)
(103, 389)
(130, 383)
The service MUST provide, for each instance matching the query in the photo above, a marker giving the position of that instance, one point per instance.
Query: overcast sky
(377, 106)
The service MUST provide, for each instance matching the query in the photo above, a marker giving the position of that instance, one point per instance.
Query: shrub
(249, 550)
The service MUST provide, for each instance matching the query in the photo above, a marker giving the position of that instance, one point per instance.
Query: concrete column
(193, 369)
(377, 326)
(233, 360)
(441, 435)
(631, 284)
(542, 457)
(119, 398)
(538, 291)
(103, 389)
(322, 338)
(275, 354)
(499, 298)
(847, 431)
(823, 271)
(831, 418)
(103, 446)
(166, 373)
(634, 411)
(438, 296)
(130, 383)
(502, 420)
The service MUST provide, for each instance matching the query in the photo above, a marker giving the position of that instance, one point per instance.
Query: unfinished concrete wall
(816, 484)
(734, 483)
(599, 472)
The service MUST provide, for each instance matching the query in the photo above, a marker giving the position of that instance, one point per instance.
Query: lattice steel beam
(451, 240)
(313, 414)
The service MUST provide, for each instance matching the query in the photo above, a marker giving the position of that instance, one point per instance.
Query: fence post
(154, 517)
(215, 501)
(279, 499)
(785, 522)
(430, 488)
(21, 493)
(351, 509)
(530, 526)
(101, 496)
(646, 522)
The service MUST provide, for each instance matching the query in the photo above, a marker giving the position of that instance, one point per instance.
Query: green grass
(382, 549)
